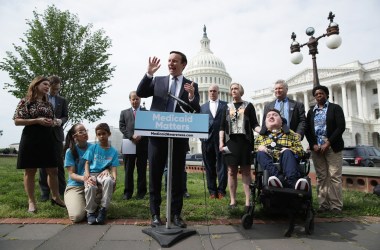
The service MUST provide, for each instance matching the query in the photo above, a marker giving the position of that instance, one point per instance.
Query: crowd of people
(92, 168)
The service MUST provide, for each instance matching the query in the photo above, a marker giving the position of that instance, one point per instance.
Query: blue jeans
(289, 173)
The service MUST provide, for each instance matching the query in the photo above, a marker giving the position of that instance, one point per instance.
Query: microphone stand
(182, 103)
(167, 236)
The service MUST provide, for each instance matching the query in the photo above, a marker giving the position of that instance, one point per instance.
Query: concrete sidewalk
(343, 233)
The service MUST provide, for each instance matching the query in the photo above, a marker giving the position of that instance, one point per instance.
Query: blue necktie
(173, 87)
(282, 109)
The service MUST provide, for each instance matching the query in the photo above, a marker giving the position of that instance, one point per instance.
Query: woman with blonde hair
(37, 144)
(236, 141)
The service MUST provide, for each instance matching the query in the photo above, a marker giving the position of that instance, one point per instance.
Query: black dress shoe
(127, 197)
(140, 196)
(156, 221)
(54, 202)
(178, 221)
(44, 198)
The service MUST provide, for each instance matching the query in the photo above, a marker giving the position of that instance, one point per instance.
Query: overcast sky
(251, 37)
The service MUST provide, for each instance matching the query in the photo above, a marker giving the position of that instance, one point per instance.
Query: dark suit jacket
(335, 126)
(60, 112)
(127, 128)
(158, 87)
(213, 122)
(296, 116)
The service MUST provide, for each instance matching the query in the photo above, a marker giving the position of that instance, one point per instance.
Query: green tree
(56, 44)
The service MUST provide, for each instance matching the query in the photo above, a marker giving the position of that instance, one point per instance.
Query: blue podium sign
(171, 124)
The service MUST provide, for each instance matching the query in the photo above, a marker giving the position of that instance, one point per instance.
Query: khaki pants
(328, 168)
(75, 203)
(104, 185)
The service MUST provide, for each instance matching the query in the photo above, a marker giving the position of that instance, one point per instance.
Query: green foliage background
(57, 44)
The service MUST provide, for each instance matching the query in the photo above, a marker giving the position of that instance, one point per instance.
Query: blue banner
(171, 124)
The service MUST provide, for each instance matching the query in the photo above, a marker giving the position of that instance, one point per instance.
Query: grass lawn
(13, 200)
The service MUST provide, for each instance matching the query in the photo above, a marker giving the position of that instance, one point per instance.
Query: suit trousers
(158, 154)
(215, 167)
(75, 203)
(130, 161)
(45, 189)
(328, 168)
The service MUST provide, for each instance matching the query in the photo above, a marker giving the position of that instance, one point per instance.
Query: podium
(171, 125)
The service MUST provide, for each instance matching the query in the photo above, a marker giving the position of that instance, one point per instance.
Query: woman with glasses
(75, 147)
(37, 147)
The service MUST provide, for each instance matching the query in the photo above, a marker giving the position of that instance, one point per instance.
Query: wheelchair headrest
(285, 127)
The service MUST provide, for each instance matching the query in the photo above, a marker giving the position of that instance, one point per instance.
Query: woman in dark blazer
(325, 124)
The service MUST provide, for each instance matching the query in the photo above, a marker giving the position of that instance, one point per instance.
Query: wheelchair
(279, 200)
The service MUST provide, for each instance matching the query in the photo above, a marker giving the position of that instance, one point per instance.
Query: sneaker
(91, 218)
(322, 210)
(273, 181)
(101, 216)
(302, 184)
(336, 211)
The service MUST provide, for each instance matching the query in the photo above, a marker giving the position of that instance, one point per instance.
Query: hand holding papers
(128, 147)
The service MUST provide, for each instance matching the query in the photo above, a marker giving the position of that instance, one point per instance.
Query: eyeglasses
(81, 132)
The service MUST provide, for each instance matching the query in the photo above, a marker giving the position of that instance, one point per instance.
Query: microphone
(181, 102)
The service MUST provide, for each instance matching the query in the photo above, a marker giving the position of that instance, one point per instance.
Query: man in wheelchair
(279, 144)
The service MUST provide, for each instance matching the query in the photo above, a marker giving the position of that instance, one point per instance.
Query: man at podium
(163, 88)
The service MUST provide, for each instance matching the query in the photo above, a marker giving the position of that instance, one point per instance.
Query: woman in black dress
(37, 145)
(236, 132)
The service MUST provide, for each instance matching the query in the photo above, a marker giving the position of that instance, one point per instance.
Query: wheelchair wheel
(309, 223)
(247, 221)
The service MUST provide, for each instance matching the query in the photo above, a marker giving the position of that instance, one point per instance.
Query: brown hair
(54, 80)
(103, 126)
(183, 56)
(32, 94)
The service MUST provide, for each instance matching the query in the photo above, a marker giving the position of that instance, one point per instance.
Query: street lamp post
(333, 41)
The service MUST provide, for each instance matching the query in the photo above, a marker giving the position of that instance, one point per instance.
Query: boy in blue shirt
(99, 157)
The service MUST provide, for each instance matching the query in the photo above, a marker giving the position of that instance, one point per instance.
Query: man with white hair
(291, 110)
(216, 170)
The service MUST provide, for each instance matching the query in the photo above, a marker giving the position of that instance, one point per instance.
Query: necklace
(275, 138)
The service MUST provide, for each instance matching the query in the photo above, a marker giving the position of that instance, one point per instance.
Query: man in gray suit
(60, 106)
(291, 110)
(212, 156)
(187, 91)
(127, 128)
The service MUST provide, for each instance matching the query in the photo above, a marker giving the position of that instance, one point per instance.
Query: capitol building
(205, 68)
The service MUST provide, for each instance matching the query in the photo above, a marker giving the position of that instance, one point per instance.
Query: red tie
(134, 113)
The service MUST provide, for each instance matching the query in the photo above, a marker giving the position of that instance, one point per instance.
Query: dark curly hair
(321, 87)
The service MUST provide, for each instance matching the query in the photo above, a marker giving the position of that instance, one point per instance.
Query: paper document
(128, 147)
